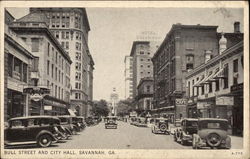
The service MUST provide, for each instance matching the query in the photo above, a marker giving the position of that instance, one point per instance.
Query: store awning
(71, 112)
(219, 74)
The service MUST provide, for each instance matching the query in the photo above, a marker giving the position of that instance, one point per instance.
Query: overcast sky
(113, 31)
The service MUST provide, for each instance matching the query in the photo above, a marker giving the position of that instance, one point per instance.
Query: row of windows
(142, 73)
(78, 56)
(65, 35)
(147, 59)
(65, 45)
(17, 69)
(78, 96)
(147, 66)
(56, 91)
(55, 72)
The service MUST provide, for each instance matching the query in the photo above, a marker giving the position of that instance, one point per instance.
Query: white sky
(113, 31)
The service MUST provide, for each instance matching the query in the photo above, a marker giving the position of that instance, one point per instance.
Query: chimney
(236, 27)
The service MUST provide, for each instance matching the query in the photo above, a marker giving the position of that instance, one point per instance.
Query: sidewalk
(236, 142)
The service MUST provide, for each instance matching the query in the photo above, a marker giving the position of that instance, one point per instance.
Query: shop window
(35, 45)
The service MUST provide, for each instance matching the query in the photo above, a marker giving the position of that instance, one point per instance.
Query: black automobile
(160, 125)
(89, 121)
(184, 134)
(213, 133)
(41, 130)
(110, 122)
(67, 123)
(79, 123)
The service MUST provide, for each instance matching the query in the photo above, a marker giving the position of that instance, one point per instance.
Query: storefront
(16, 104)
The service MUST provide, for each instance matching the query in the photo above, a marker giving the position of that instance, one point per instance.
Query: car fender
(228, 142)
(45, 132)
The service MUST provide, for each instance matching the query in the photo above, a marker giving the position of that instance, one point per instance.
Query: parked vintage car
(110, 122)
(89, 121)
(79, 123)
(184, 133)
(141, 122)
(67, 123)
(212, 132)
(33, 129)
(160, 125)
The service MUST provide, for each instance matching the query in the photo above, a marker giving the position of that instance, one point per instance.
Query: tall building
(50, 71)
(70, 26)
(128, 77)
(142, 64)
(145, 93)
(184, 48)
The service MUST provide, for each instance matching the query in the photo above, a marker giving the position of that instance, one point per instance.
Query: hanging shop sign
(181, 101)
(225, 101)
(47, 107)
(36, 97)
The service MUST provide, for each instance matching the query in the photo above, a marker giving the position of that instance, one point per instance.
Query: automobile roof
(212, 119)
(111, 117)
(190, 119)
(32, 117)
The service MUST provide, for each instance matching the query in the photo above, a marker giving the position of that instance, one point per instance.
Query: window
(48, 67)
(67, 35)
(210, 89)
(193, 88)
(56, 73)
(225, 80)
(189, 66)
(148, 89)
(10, 65)
(149, 60)
(217, 85)
(56, 56)
(59, 75)
(141, 59)
(48, 83)
(63, 44)
(148, 72)
(148, 66)
(67, 45)
(141, 65)
(57, 34)
(52, 70)
(55, 90)
(63, 35)
(59, 92)
(142, 52)
(63, 25)
(35, 45)
(202, 90)
(48, 48)
(148, 53)
(25, 69)
(62, 78)
(235, 70)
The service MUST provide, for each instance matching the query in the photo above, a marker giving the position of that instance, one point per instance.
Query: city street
(126, 136)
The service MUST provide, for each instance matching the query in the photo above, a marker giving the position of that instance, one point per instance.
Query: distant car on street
(33, 129)
(213, 133)
(160, 125)
(184, 133)
(110, 122)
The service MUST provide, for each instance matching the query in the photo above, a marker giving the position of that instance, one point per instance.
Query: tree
(100, 108)
(124, 107)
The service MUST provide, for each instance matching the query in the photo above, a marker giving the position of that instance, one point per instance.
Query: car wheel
(213, 140)
(44, 140)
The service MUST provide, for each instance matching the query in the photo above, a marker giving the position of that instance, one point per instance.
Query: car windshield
(213, 125)
(192, 124)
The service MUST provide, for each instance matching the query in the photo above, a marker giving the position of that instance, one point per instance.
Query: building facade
(70, 26)
(145, 93)
(215, 89)
(142, 64)
(184, 48)
(50, 74)
(128, 73)
(17, 68)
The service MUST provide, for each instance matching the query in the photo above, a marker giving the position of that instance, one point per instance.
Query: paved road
(126, 136)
